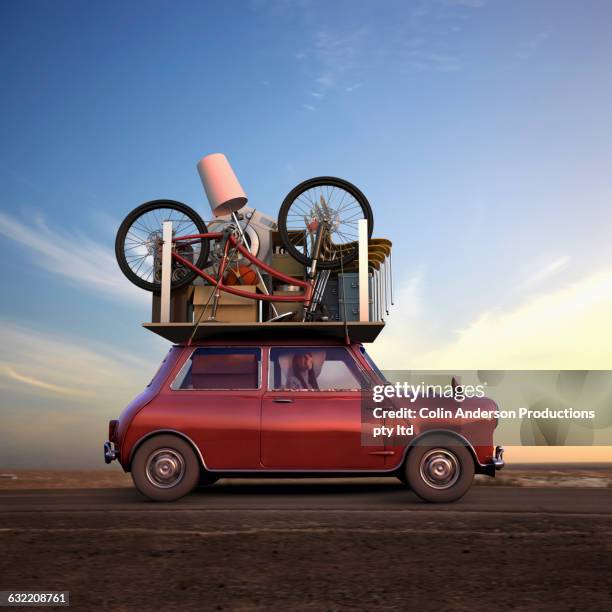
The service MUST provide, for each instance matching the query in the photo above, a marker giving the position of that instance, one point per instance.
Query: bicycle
(317, 225)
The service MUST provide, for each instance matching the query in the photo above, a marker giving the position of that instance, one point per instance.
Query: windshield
(372, 364)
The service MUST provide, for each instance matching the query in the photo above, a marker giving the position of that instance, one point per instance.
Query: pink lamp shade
(223, 190)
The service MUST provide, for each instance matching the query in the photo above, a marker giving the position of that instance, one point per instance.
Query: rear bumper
(497, 463)
(110, 453)
(498, 460)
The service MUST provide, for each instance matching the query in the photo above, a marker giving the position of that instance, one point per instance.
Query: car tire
(165, 468)
(440, 470)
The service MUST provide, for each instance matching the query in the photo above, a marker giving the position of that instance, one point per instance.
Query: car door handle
(282, 400)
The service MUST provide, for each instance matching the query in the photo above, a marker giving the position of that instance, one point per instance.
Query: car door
(215, 399)
(308, 428)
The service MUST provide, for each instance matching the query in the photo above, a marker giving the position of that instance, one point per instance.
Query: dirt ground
(316, 561)
(248, 545)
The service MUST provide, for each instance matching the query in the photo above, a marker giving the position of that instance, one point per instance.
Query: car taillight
(112, 430)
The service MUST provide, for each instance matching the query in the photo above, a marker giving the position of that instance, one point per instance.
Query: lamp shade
(224, 192)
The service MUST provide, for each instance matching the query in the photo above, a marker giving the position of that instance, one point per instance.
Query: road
(311, 545)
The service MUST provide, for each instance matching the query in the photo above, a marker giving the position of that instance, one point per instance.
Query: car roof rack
(180, 333)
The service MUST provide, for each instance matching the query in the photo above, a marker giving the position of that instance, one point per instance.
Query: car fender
(174, 432)
(445, 432)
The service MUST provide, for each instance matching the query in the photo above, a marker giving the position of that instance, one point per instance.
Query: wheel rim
(165, 468)
(337, 208)
(439, 468)
(143, 242)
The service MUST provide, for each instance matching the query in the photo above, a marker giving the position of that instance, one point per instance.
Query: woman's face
(304, 361)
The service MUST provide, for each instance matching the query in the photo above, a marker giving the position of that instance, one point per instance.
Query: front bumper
(110, 453)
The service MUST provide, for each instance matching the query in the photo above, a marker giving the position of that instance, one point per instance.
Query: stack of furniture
(340, 301)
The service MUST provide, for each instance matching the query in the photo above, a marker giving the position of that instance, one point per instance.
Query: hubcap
(165, 468)
(439, 468)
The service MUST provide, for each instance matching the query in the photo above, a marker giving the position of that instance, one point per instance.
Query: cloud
(47, 365)
(72, 256)
(428, 60)
(352, 88)
(29, 381)
(565, 328)
(337, 54)
(309, 107)
(325, 80)
(548, 271)
(58, 394)
(420, 36)
(399, 339)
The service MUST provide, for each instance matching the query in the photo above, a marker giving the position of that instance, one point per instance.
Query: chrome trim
(165, 468)
(188, 360)
(498, 460)
(110, 454)
(263, 470)
(439, 468)
(484, 467)
(373, 471)
(362, 372)
(170, 431)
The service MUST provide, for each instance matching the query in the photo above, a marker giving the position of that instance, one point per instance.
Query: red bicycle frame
(231, 241)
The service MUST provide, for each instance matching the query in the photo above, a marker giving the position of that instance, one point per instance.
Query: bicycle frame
(230, 241)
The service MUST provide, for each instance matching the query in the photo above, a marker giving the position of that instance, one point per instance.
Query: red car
(276, 408)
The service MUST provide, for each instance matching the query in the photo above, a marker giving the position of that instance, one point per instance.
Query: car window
(313, 369)
(220, 368)
(372, 363)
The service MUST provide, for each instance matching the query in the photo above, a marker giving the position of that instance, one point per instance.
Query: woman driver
(302, 375)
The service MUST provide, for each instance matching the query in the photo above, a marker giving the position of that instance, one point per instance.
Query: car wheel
(165, 468)
(440, 472)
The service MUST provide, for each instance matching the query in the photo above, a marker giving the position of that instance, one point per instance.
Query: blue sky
(479, 130)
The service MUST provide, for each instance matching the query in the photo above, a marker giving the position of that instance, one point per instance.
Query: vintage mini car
(219, 409)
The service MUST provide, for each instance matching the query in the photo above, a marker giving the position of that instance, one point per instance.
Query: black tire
(181, 275)
(148, 469)
(438, 452)
(330, 183)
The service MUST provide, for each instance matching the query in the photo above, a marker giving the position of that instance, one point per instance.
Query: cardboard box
(230, 308)
(181, 307)
(287, 265)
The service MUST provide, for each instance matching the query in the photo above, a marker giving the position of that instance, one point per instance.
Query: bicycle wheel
(139, 243)
(337, 204)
